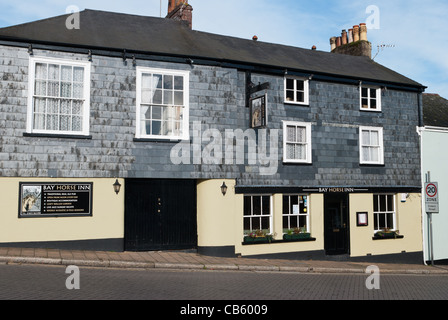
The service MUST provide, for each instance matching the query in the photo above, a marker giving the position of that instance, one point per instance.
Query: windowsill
(296, 103)
(292, 163)
(387, 238)
(57, 136)
(175, 140)
(370, 110)
(278, 241)
(372, 165)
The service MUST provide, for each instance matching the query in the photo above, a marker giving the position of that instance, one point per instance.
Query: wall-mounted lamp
(223, 189)
(117, 187)
(89, 55)
(30, 50)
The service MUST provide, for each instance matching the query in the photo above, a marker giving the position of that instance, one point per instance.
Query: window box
(296, 236)
(387, 234)
(254, 240)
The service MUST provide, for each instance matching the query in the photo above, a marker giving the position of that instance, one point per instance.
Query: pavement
(191, 260)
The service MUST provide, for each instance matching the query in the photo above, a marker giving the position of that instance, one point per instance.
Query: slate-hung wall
(217, 100)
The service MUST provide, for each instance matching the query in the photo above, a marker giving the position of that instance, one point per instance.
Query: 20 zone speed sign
(432, 197)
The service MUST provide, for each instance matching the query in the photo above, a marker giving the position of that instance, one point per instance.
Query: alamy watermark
(373, 281)
(73, 20)
(73, 281)
(213, 147)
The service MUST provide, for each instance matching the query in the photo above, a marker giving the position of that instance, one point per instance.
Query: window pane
(289, 95)
(66, 90)
(375, 203)
(157, 98)
(53, 72)
(256, 225)
(247, 226)
(365, 138)
(383, 206)
(78, 90)
(256, 205)
(266, 203)
(66, 73)
(374, 138)
(178, 98)
(39, 105)
(156, 113)
(365, 103)
(265, 224)
(285, 223)
(53, 89)
(366, 154)
(40, 88)
(66, 107)
(291, 134)
(290, 84)
(168, 82)
(78, 74)
(76, 123)
(65, 123)
(77, 108)
(178, 83)
(390, 203)
(301, 135)
(247, 206)
(168, 97)
(365, 93)
(39, 121)
(156, 128)
(41, 71)
(373, 104)
(372, 93)
(300, 85)
(300, 97)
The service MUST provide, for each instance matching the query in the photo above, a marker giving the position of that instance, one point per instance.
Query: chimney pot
(180, 10)
(350, 35)
(355, 33)
(363, 31)
(255, 38)
(333, 43)
(313, 48)
(344, 37)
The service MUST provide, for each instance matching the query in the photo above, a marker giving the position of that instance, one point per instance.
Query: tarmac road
(37, 282)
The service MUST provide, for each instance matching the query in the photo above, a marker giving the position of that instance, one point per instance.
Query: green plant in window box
(296, 234)
(387, 234)
(258, 236)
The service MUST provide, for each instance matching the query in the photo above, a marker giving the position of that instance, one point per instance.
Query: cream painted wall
(220, 221)
(107, 221)
(408, 223)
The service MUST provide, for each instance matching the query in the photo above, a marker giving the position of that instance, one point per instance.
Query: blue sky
(413, 32)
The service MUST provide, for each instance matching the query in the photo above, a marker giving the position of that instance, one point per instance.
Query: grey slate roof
(166, 37)
(435, 110)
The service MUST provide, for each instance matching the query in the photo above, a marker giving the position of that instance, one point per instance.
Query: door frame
(342, 201)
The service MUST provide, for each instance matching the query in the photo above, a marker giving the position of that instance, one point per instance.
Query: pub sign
(55, 199)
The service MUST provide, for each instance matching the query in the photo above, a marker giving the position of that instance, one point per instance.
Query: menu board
(55, 199)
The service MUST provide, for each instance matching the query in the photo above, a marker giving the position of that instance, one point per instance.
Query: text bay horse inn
(134, 133)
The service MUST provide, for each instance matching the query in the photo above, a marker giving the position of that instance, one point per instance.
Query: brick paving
(192, 260)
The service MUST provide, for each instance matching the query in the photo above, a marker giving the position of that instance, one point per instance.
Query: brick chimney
(180, 10)
(353, 43)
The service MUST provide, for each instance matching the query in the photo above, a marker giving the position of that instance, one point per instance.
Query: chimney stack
(353, 43)
(180, 10)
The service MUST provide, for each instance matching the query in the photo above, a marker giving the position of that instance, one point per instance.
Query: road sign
(432, 197)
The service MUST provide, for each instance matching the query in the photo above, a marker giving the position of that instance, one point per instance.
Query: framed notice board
(55, 199)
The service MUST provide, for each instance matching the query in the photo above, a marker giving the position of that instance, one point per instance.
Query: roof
(435, 111)
(108, 30)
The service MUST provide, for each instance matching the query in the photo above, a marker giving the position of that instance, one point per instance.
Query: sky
(407, 36)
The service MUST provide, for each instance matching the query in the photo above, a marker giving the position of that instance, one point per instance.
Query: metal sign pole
(431, 244)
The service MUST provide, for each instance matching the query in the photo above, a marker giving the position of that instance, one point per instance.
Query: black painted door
(160, 215)
(336, 224)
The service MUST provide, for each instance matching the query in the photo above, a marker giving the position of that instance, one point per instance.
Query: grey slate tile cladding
(217, 100)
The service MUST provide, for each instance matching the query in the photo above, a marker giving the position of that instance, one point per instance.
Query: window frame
(309, 142)
(306, 93)
(379, 212)
(252, 216)
(369, 98)
(185, 135)
(380, 146)
(33, 61)
(289, 215)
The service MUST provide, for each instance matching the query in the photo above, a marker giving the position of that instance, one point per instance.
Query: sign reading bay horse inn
(55, 199)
